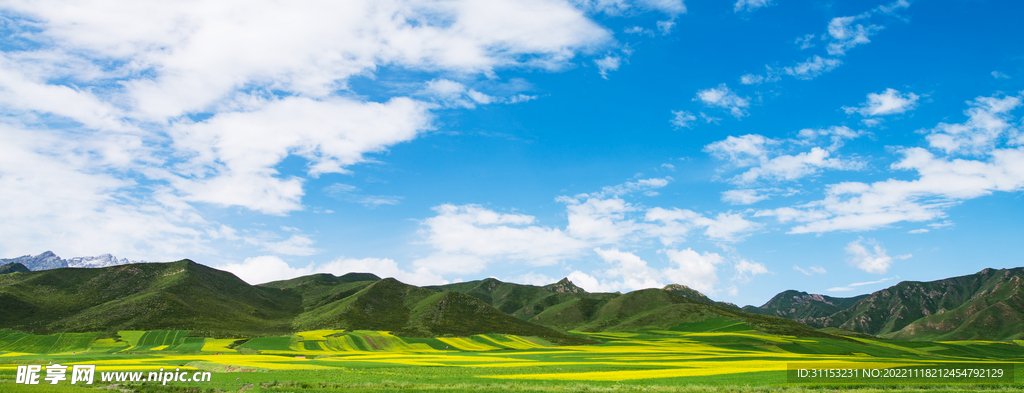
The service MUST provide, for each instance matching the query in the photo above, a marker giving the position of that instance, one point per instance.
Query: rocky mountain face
(974, 306)
(987, 305)
(803, 307)
(48, 260)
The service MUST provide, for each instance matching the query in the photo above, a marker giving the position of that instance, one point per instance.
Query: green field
(714, 355)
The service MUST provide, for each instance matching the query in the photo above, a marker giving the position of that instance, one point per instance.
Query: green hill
(412, 311)
(318, 290)
(986, 305)
(685, 291)
(179, 295)
(519, 300)
(804, 307)
(13, 267)
(995, 313)
(658, 309)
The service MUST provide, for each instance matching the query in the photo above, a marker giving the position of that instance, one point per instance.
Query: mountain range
(49, 260)
(184, 295)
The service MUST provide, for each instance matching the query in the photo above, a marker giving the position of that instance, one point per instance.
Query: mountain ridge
(48, 260)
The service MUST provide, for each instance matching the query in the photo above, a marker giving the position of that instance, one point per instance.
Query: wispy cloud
(859, 284)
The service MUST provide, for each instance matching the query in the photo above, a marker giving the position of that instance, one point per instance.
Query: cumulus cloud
(695, 270)
(675, 223)
(467, 237)
(871, 258)
(267, 268)
(988, 119)
(171, 104)
(889, 102)
(724, 98)
(767, 163)
(746, 270)
(941, 182)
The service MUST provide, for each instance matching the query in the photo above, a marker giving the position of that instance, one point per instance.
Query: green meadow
(709, 356)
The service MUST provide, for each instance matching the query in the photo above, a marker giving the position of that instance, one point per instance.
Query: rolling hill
(13, 267)
(802, 306)
(184, 295)
(179, 295)
(984, 305)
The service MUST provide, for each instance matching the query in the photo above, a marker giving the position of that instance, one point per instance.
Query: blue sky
(740, 148)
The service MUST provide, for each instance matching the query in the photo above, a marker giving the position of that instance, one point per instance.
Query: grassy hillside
(803, 307)
(995, 314)
(685, 291)
(318, 290)
(658, 309)
(412, 311)
(13, 267)
(173, 296)
(519, 300)
(975, 305)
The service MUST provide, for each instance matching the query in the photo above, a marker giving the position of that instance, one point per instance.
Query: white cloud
(620, 7)
(676, 223)
(793, 167)
(988, 120)
(49, 177)
(697, 271)
(871, 258)
(263, 269)
(532, 278)
(812, 67)
(746, 270)
(607, 64)
(743, 197)
(683, 119)
(632, 271)
(665, 26)
(128, 79)
(889, 102)
(940, 183)
(454, 94)
(751, 79)
(767, 164)
(859, 284)
(234, 153)
(806, 42)
(916, 231)
(999, 75)
(744, 150)
(846, 35)
(294, 245)
(813, 270)
(750, 5)
(467, 237)
(350, 193)
(722, 97)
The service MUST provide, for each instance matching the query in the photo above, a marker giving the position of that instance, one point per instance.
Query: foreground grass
(649, 361)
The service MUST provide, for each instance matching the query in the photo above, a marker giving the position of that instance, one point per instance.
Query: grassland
(713, 355)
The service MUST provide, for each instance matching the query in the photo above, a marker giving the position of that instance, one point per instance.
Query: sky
(739, 148)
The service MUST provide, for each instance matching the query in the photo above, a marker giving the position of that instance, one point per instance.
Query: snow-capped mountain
(49, 260)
